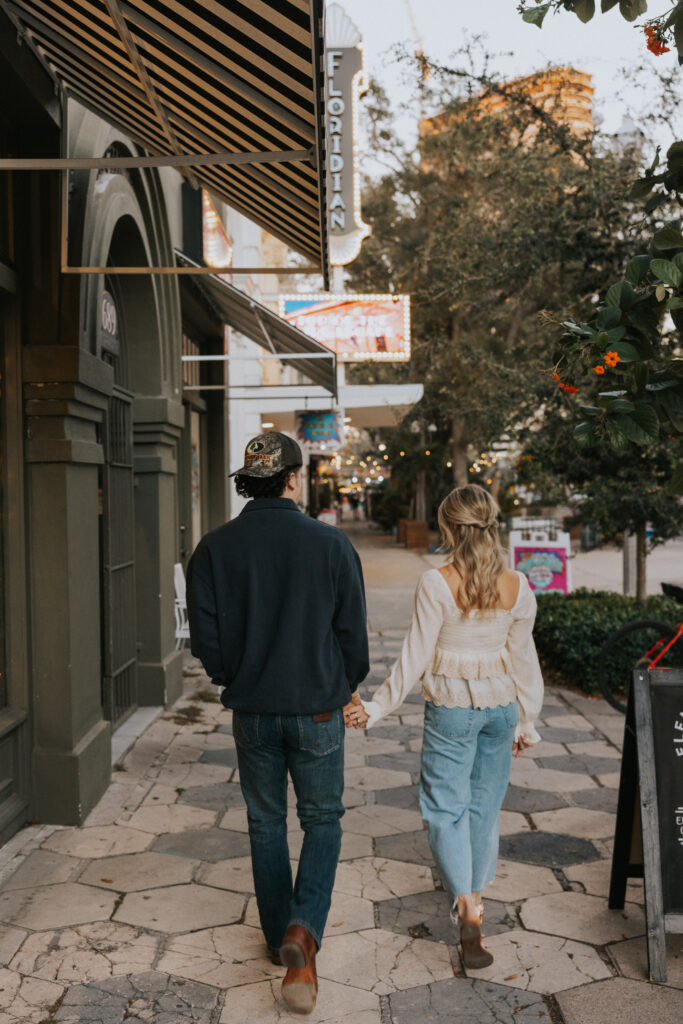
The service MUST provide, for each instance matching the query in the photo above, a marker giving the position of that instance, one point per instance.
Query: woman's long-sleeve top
(482, 660)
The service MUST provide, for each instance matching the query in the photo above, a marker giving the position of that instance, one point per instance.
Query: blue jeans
(466, 760)
(268, 746)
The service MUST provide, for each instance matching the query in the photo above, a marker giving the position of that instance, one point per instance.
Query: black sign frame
(642, 848)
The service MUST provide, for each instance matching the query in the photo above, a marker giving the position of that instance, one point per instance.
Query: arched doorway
(128, 328)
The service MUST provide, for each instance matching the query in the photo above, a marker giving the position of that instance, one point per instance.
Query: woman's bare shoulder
(508, 588)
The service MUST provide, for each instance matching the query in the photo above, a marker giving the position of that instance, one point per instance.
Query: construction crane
(419, 44)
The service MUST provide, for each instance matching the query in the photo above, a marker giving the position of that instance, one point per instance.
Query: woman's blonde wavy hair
(469, 529)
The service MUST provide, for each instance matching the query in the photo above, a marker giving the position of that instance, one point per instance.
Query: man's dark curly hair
(264, 486)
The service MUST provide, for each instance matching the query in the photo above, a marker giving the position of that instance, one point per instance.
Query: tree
(635, 331)
(504, 207)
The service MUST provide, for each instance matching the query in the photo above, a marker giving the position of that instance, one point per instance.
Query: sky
(601, 48)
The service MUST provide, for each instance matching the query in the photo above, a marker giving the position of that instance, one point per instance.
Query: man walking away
(277, 617)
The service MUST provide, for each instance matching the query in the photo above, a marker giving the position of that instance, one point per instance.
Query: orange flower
(556, 376)
(569, 389)
(655, 43)
(612, 358)
(599, 369)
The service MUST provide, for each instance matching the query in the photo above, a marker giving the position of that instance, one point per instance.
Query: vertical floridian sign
(346, 83)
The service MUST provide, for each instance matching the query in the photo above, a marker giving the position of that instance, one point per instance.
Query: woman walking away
(470, 644)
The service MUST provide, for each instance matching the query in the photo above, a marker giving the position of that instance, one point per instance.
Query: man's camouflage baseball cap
(268, 454)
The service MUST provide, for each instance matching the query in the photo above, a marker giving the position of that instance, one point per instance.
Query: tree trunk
(459, 452)
(641, 565)
(495, 486)
(421, 497)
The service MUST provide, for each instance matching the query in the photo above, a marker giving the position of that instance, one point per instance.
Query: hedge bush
(571, 629)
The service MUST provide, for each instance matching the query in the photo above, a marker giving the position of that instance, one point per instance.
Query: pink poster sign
(544, 567)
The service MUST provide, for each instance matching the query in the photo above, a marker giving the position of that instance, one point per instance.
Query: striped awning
(205, 77)
(265, 327)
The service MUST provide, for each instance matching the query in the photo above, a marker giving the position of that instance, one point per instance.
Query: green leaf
(667, 272)
(627, 352)
(678, 35)
(675, 485)
(584, 9)
(614, 335)
(662, 385)
(675, 302)
(621, 294)
(618, 439)
(674, 154)
(536, 15)
(621, 405)
(667, 239)
(637, 269)
(632, 9)
(589, 410)
(660, 293)
(678, 260)
(641, 189)
(584, 435)
(607, 5)
(609, 316)
(672, 400)
(641, 426)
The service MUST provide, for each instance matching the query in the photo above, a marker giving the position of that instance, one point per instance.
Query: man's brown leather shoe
(300, 985)
(300, 988)
(298, 947)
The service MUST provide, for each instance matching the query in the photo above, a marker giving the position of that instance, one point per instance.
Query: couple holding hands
(277, 614)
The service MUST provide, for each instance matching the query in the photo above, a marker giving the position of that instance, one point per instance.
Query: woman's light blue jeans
(466, 760)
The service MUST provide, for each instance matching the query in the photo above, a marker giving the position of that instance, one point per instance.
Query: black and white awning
(205, 77)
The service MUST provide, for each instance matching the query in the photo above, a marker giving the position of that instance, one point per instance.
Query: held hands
(520, 745)
(354, 714)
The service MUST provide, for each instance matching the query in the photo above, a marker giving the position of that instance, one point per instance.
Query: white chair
(182, 625)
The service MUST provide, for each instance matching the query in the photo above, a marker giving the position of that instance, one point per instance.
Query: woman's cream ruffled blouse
(482, 661)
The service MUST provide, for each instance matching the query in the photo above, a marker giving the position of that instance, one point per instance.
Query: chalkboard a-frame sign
(648, 840)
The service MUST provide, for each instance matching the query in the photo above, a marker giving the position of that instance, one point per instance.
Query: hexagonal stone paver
(136, 871)
(56, 906)
(10, 940)
(178, 908)
(26, 1000)
(406, 797)
(519, 798)
(576, 821)
(149, 997)
(603, 799)
(426, 915)
(529, 775)
(511, 822)
(383, 962)
(337, 1004)
(210, 844)
(620, 999)
(98, 841)
(376, 820)
(375, 878)
(547, 849)
(376, 778)
(574, 915)
(235, 875)
(631, 959)
(405, 761)
(578, 763)
(395, 731)
(516, 881)
(42, 868)
(220, 755)
(466, 1000)
(595, 879)
(186, 776)
(217, 797)
(595, 748)
(169, 818)
(87, 953)
(224, 957)
(540, 963)
(562, 734)
(349, 914)
(561, 719)
(409, 846)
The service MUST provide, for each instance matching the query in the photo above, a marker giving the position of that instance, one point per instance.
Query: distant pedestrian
(470, 645)
(354, 502)
(277, 617)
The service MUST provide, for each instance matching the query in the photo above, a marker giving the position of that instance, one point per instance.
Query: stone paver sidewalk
(147, 912)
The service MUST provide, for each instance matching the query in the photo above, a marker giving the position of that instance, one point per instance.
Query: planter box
(416, 534)
(401, 530)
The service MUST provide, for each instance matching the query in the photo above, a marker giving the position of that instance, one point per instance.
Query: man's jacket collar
(257, 504)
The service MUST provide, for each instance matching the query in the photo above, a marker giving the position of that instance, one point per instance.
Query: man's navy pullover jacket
(277, 611)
